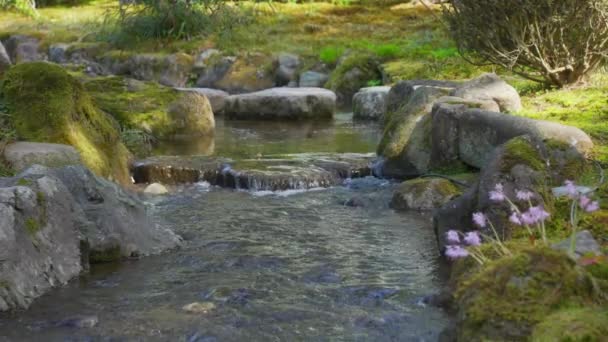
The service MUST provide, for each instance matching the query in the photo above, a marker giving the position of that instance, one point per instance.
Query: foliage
(27, 7)
(556, 42)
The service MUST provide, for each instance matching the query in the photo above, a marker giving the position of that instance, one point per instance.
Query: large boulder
(216, 97)
(172, 70)
(406, 141)
(58, 53)
(5, 60)
(370, 103)
(22, 49)
(312, 79)
(21, 155)
(424, 194)
(352, 73)
(400, 93)
(49, 105)
(490, 87)
(54, 222)
(282, 103)
(471, 135)
(191, 115)
(39, 239)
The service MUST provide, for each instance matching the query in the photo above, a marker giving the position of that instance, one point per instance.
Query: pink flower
(455, 252)
(497, 194)
(452, 237)
(584, 201)
(593, 206)
(571, 189)
(472, 239)
(539, 213)
(514, 218)
(524, 195)
(480, 219)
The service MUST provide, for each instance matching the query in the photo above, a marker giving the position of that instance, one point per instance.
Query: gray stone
(211, 74)
(282, 103)
(172, 70)
(312, 79)
(424, 194)
(23, 49)
(490, 87)
(370, 103)
(585, 245)
(58, 53)
(21, 155)
(191, 115)
(5, 60)
(400, 94)
(487, 105)
(288, 65)
(216, 97)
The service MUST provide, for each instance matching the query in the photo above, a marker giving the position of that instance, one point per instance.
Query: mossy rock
(249, 73)
(424, 194)
(573, 324)
(148, 106)
(49, 105)
(508, 297)
(353, 73)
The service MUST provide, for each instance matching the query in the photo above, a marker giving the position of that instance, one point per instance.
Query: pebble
(199, 307)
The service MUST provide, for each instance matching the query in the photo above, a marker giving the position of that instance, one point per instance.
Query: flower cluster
(455, 247)
(584, 201)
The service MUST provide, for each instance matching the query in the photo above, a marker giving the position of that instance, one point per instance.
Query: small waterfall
(377, 166)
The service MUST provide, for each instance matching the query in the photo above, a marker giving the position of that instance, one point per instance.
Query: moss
(49, 105)
(110, 254)
(250, 72)
(509, 296)
(520, 151)
(344, 82)
(32, 226)
(134, 104)
(23, 182)
(573, 324)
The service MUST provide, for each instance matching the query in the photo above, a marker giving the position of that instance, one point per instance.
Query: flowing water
(265, 266)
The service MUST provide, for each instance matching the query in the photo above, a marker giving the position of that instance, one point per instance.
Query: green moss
(442, 187)
(32, 226)
(111, 254)
(520, 151)
(341, 81)
(49, 105)
(509, 296)
(573, 324)
(23, 182)
(134, 104)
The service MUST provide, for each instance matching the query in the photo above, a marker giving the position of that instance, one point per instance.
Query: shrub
(557, 42)
(27, 7)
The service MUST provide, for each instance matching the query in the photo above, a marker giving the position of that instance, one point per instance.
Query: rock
(216, 97)
(586, 245)
(406, 142)
(191, 115)
(50, 105)
(355, 202)
(476, 133)
(287, 70)
(79, 322)
(214, 72)
(39, 239)
(116, 224)
(21, 155)
(370, 103)
(199, 308)
(22, 49)
(284, 172)
(490, 87)
(203, 59)
(172, 70)
(424, 194)
(58, 53)
(400, 94)
(282, 103)
(352, 73)
(312, 79)
(156, 189)
(486, 105)
(5, 60)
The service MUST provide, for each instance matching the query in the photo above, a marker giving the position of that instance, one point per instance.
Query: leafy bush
(557, 42)
(27, 7)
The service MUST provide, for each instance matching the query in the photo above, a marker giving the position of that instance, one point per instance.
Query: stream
(293, 265)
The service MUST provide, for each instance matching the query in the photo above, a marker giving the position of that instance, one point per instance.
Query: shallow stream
(266, 266)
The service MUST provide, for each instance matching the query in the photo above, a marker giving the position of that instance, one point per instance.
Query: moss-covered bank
(46, 104)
